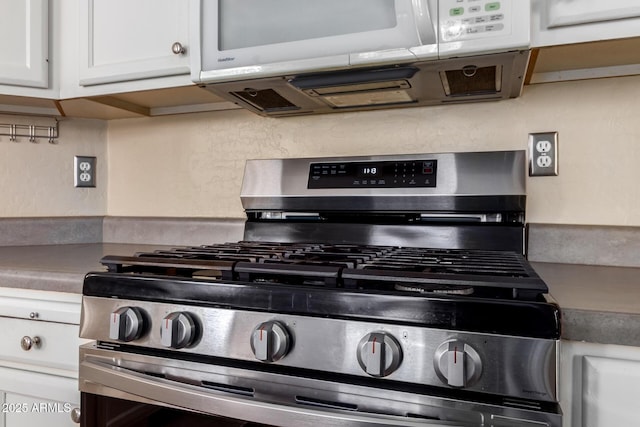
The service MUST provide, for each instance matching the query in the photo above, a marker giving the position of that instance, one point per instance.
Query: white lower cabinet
(33, 399)
(599, 385)
(39, 358)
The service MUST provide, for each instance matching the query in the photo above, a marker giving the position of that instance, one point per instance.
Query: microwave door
(424, 13)
(260, 38)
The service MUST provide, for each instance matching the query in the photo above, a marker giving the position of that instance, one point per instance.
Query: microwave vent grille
(471, 80)
(267, 100)
(371, 98)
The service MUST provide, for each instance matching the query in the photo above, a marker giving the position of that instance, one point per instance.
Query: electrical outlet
(84, 171)
(543, 154)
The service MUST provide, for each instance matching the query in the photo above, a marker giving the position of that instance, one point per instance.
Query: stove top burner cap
(434, 289)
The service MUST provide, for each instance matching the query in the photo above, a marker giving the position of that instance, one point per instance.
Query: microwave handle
(177, 395)
(425, 21)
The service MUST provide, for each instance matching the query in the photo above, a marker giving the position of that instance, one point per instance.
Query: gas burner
(366, 268)
(434, 289)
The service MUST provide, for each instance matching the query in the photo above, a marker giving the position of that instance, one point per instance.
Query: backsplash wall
(37, 178)
(191, 165)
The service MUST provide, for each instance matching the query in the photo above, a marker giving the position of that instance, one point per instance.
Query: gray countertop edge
(50, 230)
(172, 231)
(42, 280)
(555, 243)
(601, 327)
(584, 244)
(119, 229)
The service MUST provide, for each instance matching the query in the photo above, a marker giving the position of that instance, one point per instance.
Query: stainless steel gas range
(368, 291)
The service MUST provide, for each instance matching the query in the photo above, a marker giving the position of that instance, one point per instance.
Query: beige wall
(37, 179)
(191, 165)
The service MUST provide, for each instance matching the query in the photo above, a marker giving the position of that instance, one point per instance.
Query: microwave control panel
(474, 19)
(384, 174)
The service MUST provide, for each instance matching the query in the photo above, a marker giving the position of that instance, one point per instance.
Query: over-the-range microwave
(259, 38)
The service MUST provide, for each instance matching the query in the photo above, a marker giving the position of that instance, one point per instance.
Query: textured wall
(191, 165)
(37, 179)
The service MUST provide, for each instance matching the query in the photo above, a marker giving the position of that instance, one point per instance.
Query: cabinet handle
(75, 415)
(178, 49)
(27, 343)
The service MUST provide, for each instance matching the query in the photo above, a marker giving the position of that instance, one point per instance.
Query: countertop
(598, 304)
(59, 268)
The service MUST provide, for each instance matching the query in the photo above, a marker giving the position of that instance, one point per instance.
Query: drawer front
(40, 305)
(57, 347)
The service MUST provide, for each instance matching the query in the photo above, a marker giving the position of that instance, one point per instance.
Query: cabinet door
(562, 13)
(610, 390)
(30, 399)
(24, 48)
(558, 22)
(122, 40)
(599, 384)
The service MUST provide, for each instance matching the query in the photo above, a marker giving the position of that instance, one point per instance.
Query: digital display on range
(387, 174)
(369, 171)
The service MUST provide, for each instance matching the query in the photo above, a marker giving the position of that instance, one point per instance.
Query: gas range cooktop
(347, 266)
(467, 289)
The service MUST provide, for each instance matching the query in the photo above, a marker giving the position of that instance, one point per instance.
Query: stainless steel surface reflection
(465, 181)
(513, 366)
(439, 236)
(279, 399)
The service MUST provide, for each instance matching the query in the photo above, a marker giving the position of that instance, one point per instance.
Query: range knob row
(379, 354)
(177, 330)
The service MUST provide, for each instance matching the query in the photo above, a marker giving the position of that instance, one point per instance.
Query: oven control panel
(380, 351)
(374, 174)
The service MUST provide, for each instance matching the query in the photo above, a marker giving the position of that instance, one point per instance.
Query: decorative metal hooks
(32, 132)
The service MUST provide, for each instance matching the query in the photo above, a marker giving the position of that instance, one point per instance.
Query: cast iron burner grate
(387, 269)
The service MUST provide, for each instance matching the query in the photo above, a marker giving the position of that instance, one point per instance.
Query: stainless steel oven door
(265, 398)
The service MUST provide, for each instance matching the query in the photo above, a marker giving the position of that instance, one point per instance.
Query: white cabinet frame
(134, 60)
(25, 51)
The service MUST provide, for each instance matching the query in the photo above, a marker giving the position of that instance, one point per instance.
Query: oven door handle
(174, 394)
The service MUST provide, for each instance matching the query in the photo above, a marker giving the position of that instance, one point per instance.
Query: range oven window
(100, 411)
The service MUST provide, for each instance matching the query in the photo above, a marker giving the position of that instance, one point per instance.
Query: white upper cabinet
(557, 22)
(24, 31)
(123, 40)
(585, 39)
